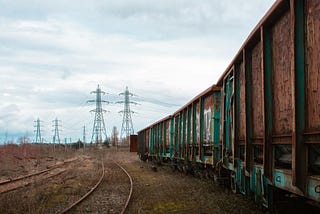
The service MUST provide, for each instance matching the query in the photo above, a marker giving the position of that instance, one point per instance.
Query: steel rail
(49, 168)
(87, 194)
(26, 184)
(97, 184)
(131, 188)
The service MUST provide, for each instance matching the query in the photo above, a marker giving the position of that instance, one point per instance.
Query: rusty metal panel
(181, 128)
(242, 110)
(283, 180)
(208, 114)
(147, 140)
(257, 93)
(133, 143)
(282, 76)
(313, 65)
(191, 124)
(162, 138)
(167, 127)
(181, 154)
(197, 123)
(313, 191)
(186, 126)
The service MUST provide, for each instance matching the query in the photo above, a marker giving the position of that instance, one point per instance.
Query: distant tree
(23, 140)
(114, 136)
(106, 143)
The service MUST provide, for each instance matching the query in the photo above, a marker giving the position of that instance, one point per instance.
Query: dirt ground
(155, 191)
(166, 191)
(18, 160)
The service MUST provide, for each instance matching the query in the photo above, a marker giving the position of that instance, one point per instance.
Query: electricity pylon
(56, 137)
(99, 127)
(38, 131)
(127, 126)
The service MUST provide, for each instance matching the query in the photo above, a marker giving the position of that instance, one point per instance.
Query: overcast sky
(54, 53)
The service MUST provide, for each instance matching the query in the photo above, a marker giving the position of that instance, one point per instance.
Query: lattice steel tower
(56, 137)
(99, 127)
(127, 126)
(38, 132)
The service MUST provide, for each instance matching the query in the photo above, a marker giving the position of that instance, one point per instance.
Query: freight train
(258, 126)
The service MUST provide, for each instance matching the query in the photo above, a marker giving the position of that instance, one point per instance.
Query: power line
(99, 127)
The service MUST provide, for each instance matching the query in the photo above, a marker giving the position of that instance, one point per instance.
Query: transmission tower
(127, 126)
(56, 137)
(38, 131)
(99, 127)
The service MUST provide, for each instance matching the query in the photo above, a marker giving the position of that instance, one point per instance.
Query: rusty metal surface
(197, 123)
(208, 116)
(242, 110)
(147, 139)
(167, 127)
(257, 94)
(283, 180)
(265, 127)
(282, 91)
(313, 65)
(313, 190)
(133, 143)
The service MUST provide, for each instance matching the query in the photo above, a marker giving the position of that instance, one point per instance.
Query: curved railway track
(131, 188)
(75, 205)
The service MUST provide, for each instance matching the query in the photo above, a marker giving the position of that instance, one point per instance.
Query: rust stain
(313, 65)
(281, 66)
(257, 93)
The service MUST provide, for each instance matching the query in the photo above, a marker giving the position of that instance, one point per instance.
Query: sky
(53, 54)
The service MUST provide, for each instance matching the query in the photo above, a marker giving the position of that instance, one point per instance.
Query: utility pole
(99, 127)
(38, 131)
(56, 137)
(65, 144)
(6, 138)
(114, 136)
(84, 137)
(127, 126)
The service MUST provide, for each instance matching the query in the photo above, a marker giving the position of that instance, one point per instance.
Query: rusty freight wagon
(271, 108)
(143, 144)
(189, 138)
(197, 133)
(267, 107)
(154, 142)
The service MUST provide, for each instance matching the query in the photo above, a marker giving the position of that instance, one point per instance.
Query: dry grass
(48, 195)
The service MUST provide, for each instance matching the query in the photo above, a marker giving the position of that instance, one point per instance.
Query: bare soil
(155, 191)
(166, 191)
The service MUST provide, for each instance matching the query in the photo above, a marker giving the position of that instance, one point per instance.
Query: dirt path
(160, 191)
(165, 191)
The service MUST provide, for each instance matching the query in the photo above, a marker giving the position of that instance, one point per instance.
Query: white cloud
(53, 54)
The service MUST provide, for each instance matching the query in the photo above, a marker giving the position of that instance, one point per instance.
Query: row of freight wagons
(259, 125)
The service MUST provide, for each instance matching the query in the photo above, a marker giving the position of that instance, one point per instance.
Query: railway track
(131, 189)
(111, 172)
(22, 181)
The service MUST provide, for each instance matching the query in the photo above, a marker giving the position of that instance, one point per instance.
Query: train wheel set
(257, 129)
